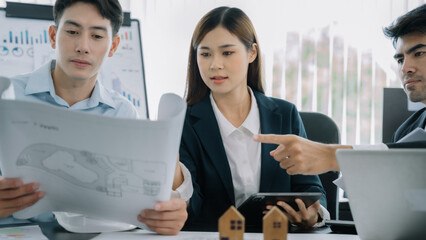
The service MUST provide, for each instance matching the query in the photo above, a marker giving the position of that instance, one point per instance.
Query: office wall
(309, 57)
(331, 57)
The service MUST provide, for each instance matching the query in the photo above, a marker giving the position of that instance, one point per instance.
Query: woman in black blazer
(226, 107)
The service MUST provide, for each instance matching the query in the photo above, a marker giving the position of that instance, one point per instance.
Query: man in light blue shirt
(38, 86)
(84, 35)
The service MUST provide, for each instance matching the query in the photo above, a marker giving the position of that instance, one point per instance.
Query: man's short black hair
(413, 21)
(109, 9)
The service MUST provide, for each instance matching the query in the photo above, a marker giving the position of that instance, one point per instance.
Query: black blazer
(417, 120)
(204, 155)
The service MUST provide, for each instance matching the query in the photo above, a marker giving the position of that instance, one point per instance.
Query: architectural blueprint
(102, 167)
(96, 172)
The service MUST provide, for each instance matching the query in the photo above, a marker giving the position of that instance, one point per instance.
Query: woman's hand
(305, 217)
(166, 218)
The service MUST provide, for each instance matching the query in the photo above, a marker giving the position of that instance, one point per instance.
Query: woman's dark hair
(237, 23)
(109, 9)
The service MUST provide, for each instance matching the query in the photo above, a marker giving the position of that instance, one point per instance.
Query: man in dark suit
(409, 39)
(301, 156)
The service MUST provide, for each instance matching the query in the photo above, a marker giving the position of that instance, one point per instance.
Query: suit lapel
(209, 134)
(418, 122)
(422, 121)
(270, 123)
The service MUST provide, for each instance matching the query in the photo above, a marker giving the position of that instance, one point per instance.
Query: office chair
(321, 128)
(395, 111)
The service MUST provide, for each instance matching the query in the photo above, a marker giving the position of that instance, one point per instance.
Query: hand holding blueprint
(108, 168)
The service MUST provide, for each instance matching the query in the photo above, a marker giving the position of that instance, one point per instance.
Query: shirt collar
(102, 95)
(251, 123)
(225, 127)
(41, 81)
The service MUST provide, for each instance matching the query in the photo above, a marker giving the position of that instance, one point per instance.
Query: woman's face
(223, 61)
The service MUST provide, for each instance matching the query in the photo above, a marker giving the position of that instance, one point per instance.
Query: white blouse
(243, 153)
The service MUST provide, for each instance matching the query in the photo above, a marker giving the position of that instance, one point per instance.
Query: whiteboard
(25, 46)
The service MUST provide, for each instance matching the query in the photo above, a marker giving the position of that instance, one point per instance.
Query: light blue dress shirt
(38, 86)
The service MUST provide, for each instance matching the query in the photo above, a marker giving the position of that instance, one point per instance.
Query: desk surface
(139, 234)
(53, 230)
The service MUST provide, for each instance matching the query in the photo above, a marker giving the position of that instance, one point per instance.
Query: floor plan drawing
(113, 176)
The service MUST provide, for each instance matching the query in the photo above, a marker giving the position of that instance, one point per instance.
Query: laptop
(386, 191)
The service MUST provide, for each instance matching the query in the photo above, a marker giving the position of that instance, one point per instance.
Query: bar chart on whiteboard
(19, 43)
(25, 46)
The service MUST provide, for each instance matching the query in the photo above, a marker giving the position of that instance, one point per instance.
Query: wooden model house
(275, 225)
(231, 225)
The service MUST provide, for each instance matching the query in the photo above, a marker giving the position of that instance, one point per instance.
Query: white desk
(143, 234)
(54, 231)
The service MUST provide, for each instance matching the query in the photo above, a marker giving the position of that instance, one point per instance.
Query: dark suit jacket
(417, 120)
(203, 153)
